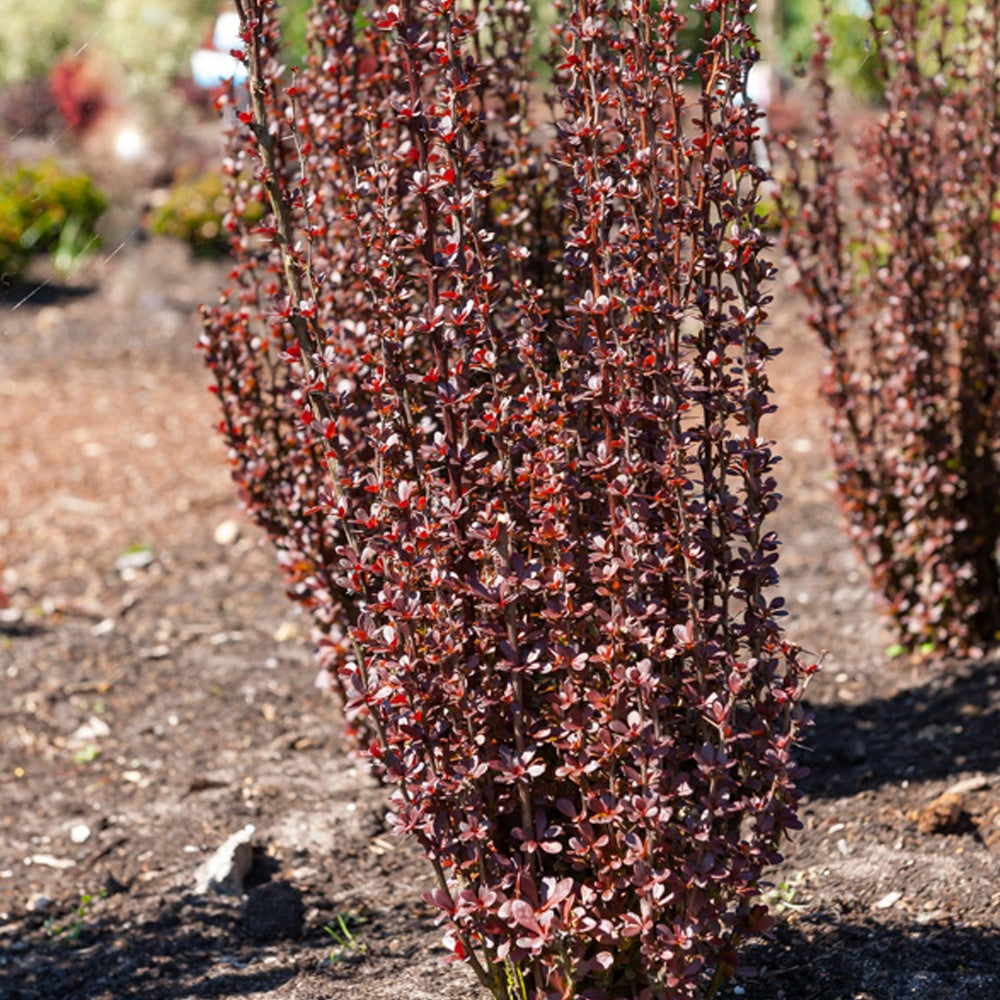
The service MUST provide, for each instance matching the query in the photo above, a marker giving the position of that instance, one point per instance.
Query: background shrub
(80, 92)
(904, 279)
(148, 45)
(193, 209)
(32, 36)
(495, 389)
(849, 58)
(45, 210)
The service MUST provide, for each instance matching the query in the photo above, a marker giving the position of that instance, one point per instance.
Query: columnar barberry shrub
(903, 275)
(494, 383)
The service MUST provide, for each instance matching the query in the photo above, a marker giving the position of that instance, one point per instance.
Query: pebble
(974, 784)
(135, 559)
(226, 869)
(95, 728)
(38, 903)
(49, 319)
(887, 902)
(79, 833)
(942, 815)
(285, 632)
(227, 532)
(49, 861)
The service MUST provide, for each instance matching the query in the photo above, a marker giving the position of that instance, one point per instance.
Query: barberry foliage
(493, 379)
(903, 275)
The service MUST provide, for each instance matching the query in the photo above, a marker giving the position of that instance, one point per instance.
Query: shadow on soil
(827, 958)
(41, 293)
(944, 727)
(19, 630)
(177, 955)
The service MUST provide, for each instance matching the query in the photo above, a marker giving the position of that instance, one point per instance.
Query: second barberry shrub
(900, 258)
(493, 379)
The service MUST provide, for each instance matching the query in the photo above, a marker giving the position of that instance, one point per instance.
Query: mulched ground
(158, 696)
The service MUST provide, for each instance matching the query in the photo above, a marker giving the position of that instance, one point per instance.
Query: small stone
(227, 532)
(976, 783)
(49, 319)
(888, 901)
(273, 911)
(285, 632)
(95, 728)
(37, 903)
(133, 559)
(226, 869)
(50, 861)
(79, 833)
(943, 815)
(11, 616)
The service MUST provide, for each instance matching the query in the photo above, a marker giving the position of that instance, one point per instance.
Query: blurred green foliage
(852, 59)
(33, 35)
(194, 210)
(43, 209)
(294, 25)
(149, 44)
(848, 25)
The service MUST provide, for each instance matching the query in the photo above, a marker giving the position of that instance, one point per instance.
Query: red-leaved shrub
(78, 92)
(493, 381)
(903, 275)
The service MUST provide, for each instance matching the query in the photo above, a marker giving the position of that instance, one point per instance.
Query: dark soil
(158, 696)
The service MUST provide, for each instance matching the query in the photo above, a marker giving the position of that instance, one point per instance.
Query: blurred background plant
(849, 30)
(33, 36)
(193, 209)
(149, 44)
(44, 209)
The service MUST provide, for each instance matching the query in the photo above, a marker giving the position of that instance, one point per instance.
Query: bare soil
(158, 696)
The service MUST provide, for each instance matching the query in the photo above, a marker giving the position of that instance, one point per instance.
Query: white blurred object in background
(763, 87)
(212, 67)
(130, 144)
